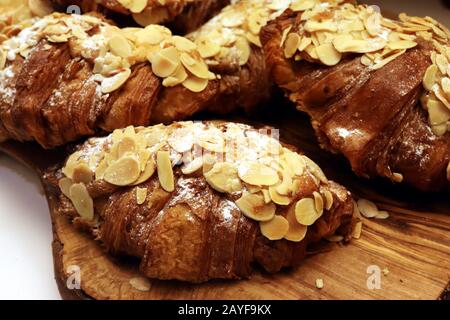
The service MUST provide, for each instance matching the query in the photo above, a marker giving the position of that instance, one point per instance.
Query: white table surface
(26, 263)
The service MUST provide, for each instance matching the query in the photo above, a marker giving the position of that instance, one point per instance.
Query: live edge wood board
(413, 244)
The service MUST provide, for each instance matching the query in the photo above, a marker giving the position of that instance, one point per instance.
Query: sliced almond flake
(40, 8)
(120, 46)
(147, 173)
(178, 77)
(440, 32)
(440, 130)
(365, 60)
(448, 171)
(253, 39)
(115, 82)
(196, 66)
(315, 169)
(165, 172)
(442, 63)
(402, 44)
(382, 215)
(125, 146)
(304, 43)
(295, 162)
(373, 24)
(397, 177)
(278, 198)
(232, 19)
(445, 85)
(318, 202)
(71, 162)
(367, 208)
(356, 233)
(266, 195)
(64, 185)
(244, 50)
(312, 52)
(223, 178)
(285, 187)
(305, 212)
(348, 44)
(192, 166)
(296, 232)
(291, 45)
(275, 229)
(212, 140)
(437, 112)
(430, 77)
(302, 5)
(253, 189)
(140, 284)
(195, 84)
(182, 140)
(440, 95)
(165, 62)
(385, 61)
(319, 283)
(312, 26)
(207, 48)
(257, 174)
(328, 55)
(328, 199)
(141, 195)
(82, 201)
(254, 207)
(2, 59)
(284, 35)
(82, 173)
(123, 172)
(183, 44)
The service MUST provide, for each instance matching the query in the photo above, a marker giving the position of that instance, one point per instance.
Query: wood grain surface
(412, 246)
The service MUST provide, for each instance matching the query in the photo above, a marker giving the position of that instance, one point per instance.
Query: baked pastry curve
(70, 76)
(15, 15)
(377, 90)
(181, 15)
(196, 201)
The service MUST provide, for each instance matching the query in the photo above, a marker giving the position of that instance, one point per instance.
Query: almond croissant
(72, 76)
(377, 90)
(182, 15)
(200, 201)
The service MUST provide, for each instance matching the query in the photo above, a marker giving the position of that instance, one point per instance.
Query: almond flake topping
(230, 35)
(114, 51)
(330, 30)
(262, 177)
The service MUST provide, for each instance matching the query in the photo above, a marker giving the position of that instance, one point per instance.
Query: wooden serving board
(413, 244)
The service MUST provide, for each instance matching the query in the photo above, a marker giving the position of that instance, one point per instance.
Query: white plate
(26, 268)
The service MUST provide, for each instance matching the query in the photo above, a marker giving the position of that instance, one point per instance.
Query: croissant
(72, 76)
(15, 15)
(377, 90)
(196, 201)
(182, 15)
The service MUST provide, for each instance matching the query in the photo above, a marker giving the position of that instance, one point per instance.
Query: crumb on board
(319, 283)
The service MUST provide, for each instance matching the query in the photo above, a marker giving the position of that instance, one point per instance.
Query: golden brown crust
(181, 15)
(195, 233)
(61, 99)
(373, 117)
